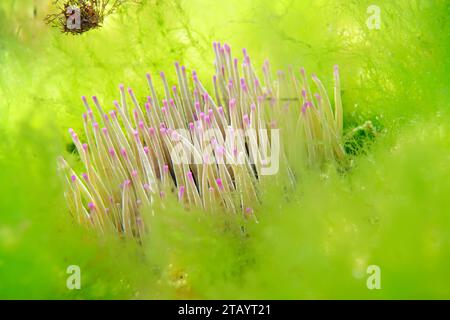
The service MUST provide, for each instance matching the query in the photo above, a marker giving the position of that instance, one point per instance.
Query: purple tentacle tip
(181, 192)
(219, 183)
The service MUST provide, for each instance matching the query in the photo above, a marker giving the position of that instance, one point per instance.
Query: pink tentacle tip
(123, 152)
(147, 106)
(105, 131)
(303, 93)
(191, 126)
(220, 110)
(243, 84)
(105, 117)
(248, 210)
(95, 99)
(141, 124)
(95, 125)
(336, 68)
(244, 51)
(85, 177)
(314, 76)
(148, 76)
(162, 75)
(165, 168)
(220, 150)
(162, 194)
(163, 130)
(146, 150)
(172, 103)
(146, 186)
(130, 91)
(84, 116)
(175, 136)
(219, 183)
(71, 132)
(85, 146)
(177, 64)
(126, 183)
(91, 206)
(73, 178)
(84, 99)
(302, 71)
(190, 176)
(151, 131)
(174, 89)
(181, 192)
(121, 87)
(304, 108)
(134, 173)
(273, 124)
(318, 97)
(197, 106)
(227, 48)
(253, 107)
(136, 134)
(112, 152)
(232, 103)
(246, 119)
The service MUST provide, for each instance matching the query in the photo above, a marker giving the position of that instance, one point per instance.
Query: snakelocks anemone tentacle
(209, 149)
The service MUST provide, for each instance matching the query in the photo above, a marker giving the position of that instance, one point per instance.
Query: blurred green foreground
(391, 209)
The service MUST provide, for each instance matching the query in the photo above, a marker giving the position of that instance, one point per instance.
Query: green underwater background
(391, 208)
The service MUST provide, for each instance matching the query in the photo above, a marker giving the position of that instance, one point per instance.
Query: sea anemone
(208, 150)
(79, 16)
